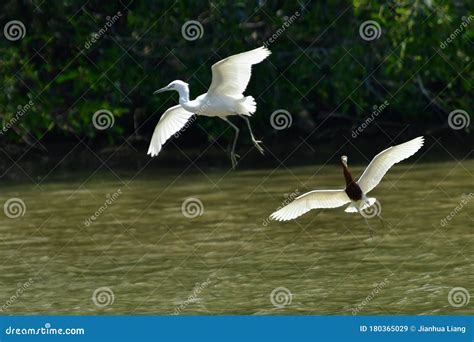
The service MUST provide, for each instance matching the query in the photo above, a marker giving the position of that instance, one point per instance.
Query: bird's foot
(258, 146)
(233, 159)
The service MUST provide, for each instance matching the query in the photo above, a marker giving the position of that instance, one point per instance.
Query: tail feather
(355, 207)
(370, 202)
(351, 208)
(247, 106)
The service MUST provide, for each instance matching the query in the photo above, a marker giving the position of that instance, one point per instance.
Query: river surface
(198, 242)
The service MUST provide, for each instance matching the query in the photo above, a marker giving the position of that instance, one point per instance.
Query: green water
(154, 260)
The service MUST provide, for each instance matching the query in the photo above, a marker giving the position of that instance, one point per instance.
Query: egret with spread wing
(355, 193)
(224, 98)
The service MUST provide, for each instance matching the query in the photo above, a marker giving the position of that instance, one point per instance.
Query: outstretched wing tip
(316, 199)
(264, 52)
(420, 141)
(267, 50)
(278, 216)
(383, 161)
(152, 153)
(231, 75)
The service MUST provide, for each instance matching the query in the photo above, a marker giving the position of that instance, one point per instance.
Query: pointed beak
(160, 90)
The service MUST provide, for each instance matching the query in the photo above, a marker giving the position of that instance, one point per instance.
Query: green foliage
(319, 63)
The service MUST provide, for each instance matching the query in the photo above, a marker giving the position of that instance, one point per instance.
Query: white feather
(231, 75)
(356, 207)
(383, 161)
(170, 123)
(317, 199)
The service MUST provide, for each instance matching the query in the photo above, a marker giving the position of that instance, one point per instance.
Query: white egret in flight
(224, 98)
(355, 192)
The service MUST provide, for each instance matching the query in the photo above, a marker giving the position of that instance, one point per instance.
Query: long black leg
(233, 156)
(371, 232)
(255, 141)
(366, 222)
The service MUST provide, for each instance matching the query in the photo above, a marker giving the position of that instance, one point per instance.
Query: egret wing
(231, 75)
(317, 199)
(170, 123)
(383, 161)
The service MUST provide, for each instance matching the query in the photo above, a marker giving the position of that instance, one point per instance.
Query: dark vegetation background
(321, 71)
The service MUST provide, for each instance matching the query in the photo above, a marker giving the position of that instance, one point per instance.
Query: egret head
(344, 160)
(175, 85)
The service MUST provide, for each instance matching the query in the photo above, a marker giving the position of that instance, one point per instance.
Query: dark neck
(347, 175)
